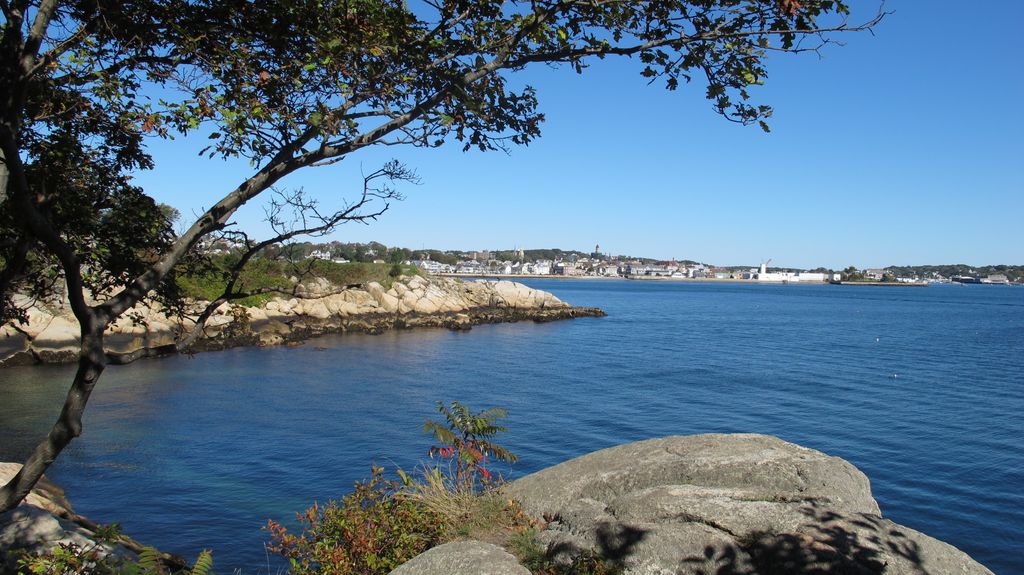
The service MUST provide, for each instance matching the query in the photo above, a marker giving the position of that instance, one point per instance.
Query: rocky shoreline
(51, 334)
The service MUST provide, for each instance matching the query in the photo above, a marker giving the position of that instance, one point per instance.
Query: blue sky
(905, 147)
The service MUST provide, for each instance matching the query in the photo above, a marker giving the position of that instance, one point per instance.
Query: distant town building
(469, 267)
(786, 277)
(564, 269)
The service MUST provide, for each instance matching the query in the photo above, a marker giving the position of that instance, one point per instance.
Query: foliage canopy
(289, 85)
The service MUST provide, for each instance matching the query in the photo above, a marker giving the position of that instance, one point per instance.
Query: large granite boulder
(463, 558)
(739, 504)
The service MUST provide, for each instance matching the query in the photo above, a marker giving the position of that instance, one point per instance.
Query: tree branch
(307, 212)
(36, 35)
(41, 228)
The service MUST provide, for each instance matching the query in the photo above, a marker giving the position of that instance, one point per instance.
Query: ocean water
(921, 388)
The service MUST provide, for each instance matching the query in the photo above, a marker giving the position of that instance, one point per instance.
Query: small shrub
(370, 531)
(384, 523)
(459, 489)
(466, 440)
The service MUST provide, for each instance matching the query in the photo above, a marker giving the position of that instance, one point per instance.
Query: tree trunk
(68, 426)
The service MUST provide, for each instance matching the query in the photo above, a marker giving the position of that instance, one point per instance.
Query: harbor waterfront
(920, 389)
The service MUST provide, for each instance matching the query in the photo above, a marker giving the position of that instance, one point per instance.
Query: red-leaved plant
(369, 532)
(465, 440)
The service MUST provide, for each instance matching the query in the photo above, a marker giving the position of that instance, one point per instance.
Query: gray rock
(12, 341)
(743, 466)
(463, 558)
(725, 504)
(43, 521)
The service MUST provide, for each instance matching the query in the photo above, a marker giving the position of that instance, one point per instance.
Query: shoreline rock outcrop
(723, 504)
(51, 333)
(45, 519)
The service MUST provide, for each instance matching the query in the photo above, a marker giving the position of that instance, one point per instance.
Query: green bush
(370, 531)
(209, 282)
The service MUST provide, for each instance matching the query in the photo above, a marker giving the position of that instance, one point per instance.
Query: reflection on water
(920, 388)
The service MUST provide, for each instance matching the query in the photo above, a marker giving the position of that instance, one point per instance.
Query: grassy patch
(209, 282)
(466, 513)
(532, 555)
(362, 273)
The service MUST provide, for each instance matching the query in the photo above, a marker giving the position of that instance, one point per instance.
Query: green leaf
(203, 563)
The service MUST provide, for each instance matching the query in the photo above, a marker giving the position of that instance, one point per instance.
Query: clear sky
(903, 147)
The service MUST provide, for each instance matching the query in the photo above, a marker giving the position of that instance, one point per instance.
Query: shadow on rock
(615, 543)
(830, 543)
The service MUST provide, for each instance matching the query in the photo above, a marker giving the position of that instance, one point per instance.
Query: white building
(541, 268)
(432, 267)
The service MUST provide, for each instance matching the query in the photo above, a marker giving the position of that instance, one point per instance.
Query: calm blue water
(923, 389)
